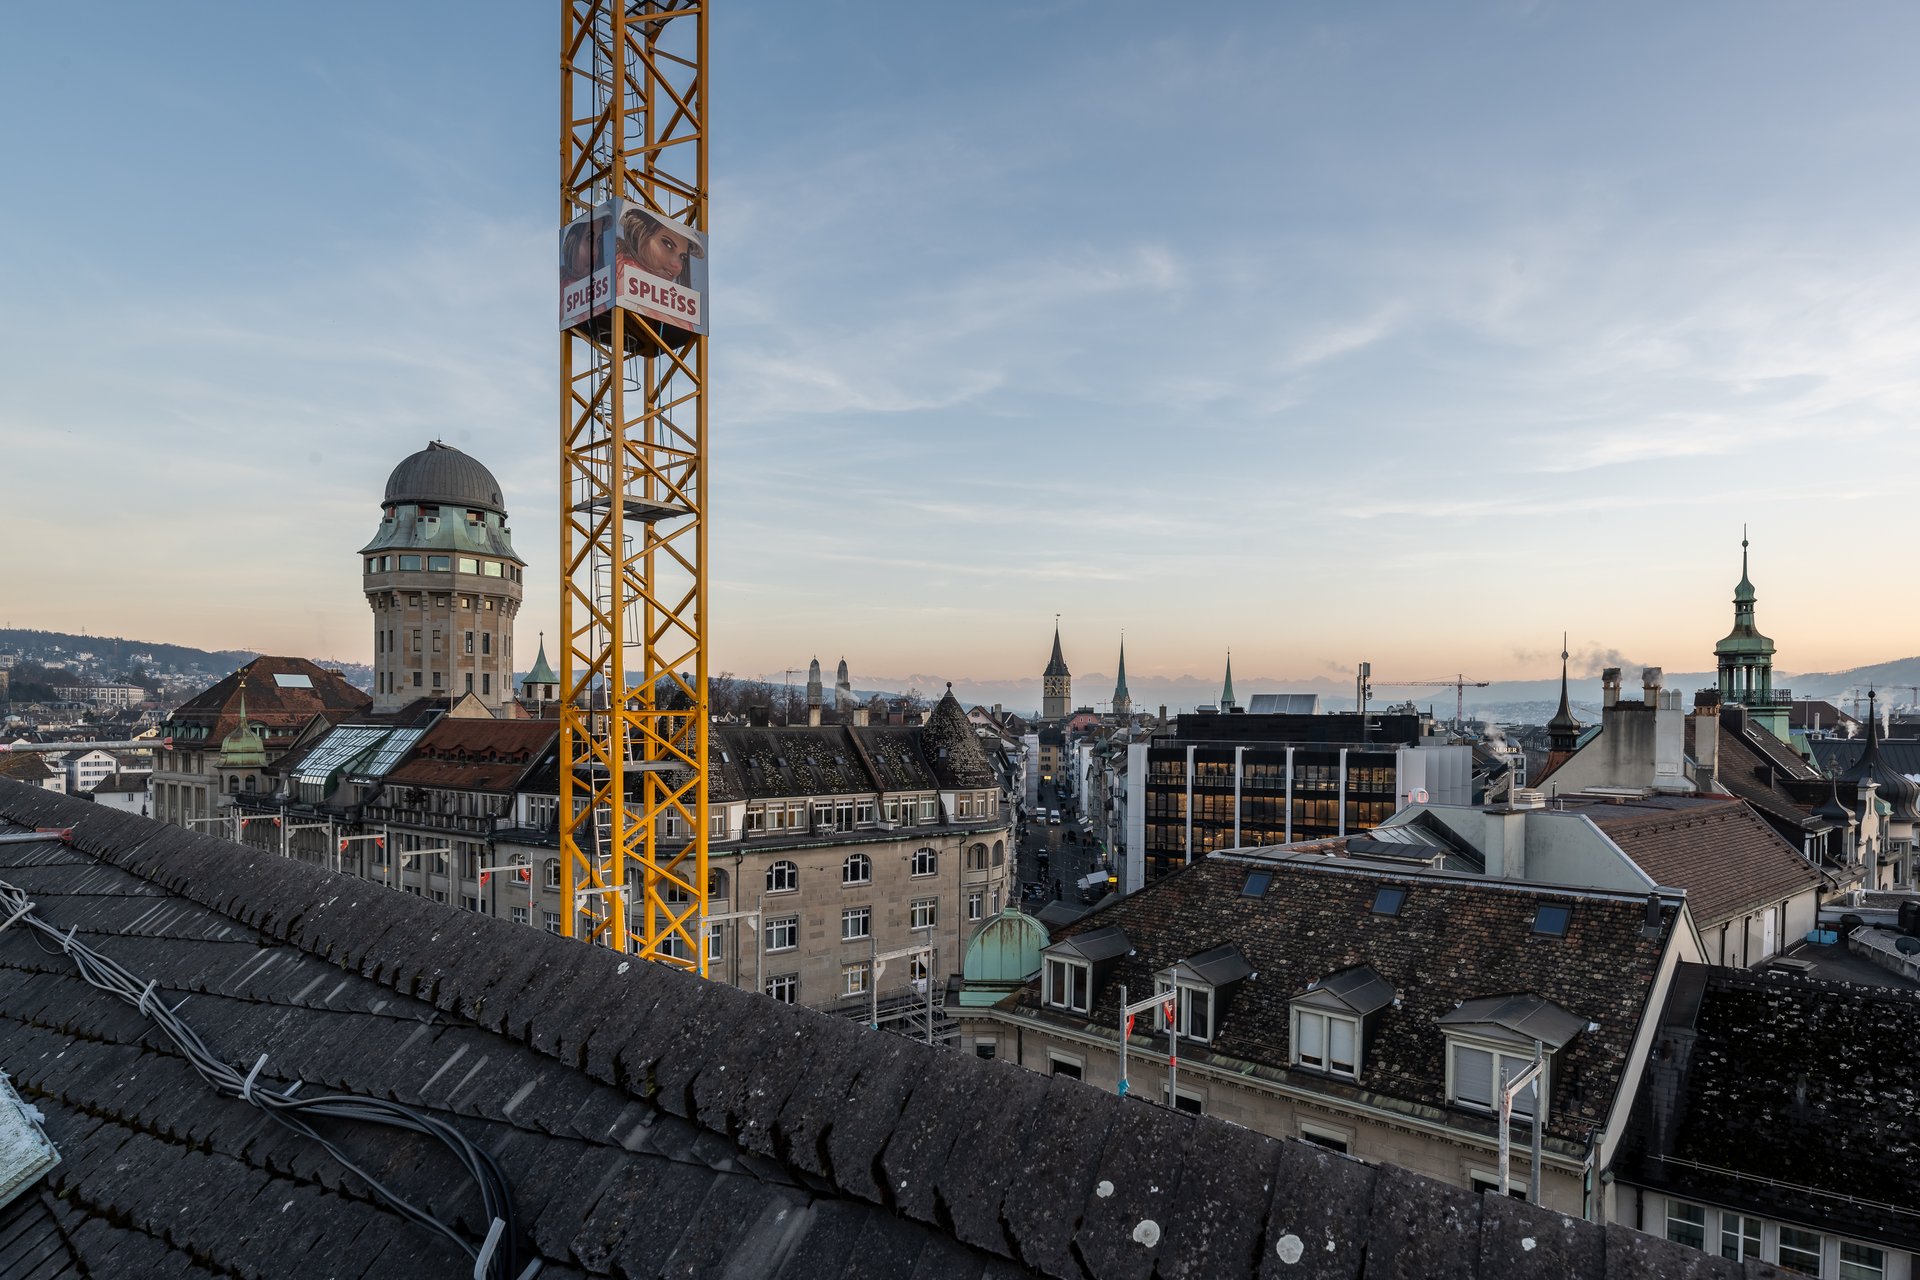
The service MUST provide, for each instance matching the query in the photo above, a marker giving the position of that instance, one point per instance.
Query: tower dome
(442, 474)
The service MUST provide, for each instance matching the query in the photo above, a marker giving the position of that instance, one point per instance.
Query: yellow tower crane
(633, 478)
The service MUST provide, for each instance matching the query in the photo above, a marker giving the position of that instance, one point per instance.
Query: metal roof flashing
(25, 1152)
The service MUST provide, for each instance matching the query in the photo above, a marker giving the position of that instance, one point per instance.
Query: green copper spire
(1226, 693)
(1743, 593)
(1120, 686)
(542, 673)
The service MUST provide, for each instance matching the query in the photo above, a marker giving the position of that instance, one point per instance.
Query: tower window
(486, 642)
(486, 682)
(474, 517)
(410, 563)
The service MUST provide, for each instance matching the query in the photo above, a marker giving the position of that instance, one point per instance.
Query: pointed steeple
(1743, 591)
(542, 672)
(1056, 682)
(1057, 666)
(1563, 731)
(1122, 700)
(1901, 793)
(243, 748)
(1226, 691)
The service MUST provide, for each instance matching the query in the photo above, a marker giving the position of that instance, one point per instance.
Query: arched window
(977, 857)
(716, 883)
(999, 853)
(783, 877)
(251, 781)
(233, 782)
(925, 862)
(857, 869)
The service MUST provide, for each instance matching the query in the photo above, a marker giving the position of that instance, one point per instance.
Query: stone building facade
(220, 743)
(849, 840)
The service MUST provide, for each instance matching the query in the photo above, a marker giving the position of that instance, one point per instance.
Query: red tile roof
(1720, 851)
(476, 755)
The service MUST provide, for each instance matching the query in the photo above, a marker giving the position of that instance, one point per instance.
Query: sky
(1402, 332)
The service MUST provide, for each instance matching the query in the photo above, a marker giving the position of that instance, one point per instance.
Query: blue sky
(1414, 333)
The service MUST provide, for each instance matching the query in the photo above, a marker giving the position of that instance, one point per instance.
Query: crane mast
(633, 479)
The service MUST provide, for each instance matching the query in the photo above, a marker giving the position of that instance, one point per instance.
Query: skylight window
(1552, 920)
(1387, 900)
(1256, 885)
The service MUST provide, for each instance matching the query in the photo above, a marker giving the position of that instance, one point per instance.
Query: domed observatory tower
(444, 584)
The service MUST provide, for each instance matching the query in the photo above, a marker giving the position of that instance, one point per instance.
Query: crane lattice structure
(633, 540)
(1459, 685)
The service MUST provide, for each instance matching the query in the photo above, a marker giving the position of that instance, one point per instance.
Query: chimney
(1506, 844)
(1669, 736)
(759, 715)
(1706, 746)
(1650, 681)
(813, 715)
(859, 717)
(1610, 686)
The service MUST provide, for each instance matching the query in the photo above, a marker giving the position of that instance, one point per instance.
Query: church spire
(1122, 700)
(1056, 682)
(1226, 692)
(1563, 731)
(1058, 665)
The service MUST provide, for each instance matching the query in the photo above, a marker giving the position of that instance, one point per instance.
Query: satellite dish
(1906, 945)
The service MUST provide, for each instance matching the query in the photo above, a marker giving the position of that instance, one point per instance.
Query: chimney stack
(1651, 678)
(1610, 687)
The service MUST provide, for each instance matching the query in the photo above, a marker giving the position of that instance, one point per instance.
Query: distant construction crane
(1459, 685)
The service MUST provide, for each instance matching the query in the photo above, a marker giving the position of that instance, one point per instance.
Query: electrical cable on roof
(497, 1258)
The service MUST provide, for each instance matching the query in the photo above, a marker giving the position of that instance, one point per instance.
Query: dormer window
(1331, 1019)
(1074, 964)
(1069, 984)
(1197, 985)
(1326, 1042)
(1493, 1039)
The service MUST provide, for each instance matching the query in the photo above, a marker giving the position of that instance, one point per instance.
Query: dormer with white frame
(1074, 967)
(1204, 982)
(1492, 1039)
(1329, 1022)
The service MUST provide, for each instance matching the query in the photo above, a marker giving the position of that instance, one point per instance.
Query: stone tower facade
(1056, 685)
(444, 584)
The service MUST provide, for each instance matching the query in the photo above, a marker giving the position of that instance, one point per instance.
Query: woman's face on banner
(662, 252)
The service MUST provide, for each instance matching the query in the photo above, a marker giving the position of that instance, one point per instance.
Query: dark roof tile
(1055, 1173)
(1217, 1224)
(1422, 1230)
(1317, 1222)
(1515, 1235)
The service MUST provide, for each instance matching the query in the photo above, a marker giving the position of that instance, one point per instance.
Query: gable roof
(1807, 1088)
(1455, 938)
(649, 1123)
(1718, 850)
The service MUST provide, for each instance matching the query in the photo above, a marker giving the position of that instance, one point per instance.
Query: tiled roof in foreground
(650, 1123)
